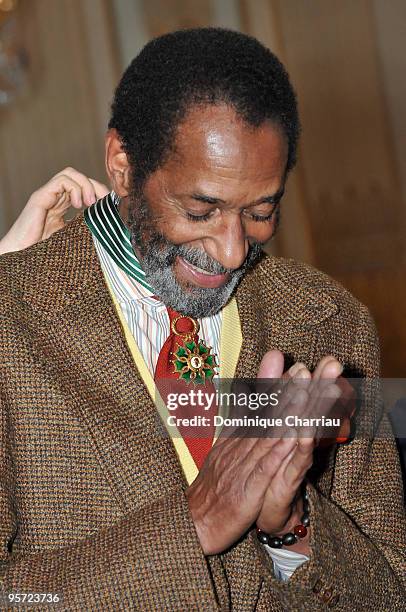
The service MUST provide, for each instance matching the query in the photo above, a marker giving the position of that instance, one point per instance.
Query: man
(96, 504)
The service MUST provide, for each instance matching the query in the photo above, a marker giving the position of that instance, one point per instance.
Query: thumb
(272, 365)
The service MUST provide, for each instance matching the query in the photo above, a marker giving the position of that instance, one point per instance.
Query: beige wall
(60, 119)
(347, 61)
(345, 206)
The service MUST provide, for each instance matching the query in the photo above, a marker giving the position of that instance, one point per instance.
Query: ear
(117, 165)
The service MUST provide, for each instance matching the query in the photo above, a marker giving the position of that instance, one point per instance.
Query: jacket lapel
(85, 340)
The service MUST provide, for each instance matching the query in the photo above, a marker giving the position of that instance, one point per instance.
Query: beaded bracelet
(299, 531)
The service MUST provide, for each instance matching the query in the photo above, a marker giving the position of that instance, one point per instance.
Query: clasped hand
(257, 480)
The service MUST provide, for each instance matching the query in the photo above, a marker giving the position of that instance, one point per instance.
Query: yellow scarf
(230, 346)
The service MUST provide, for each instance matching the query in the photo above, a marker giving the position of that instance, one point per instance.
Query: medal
(193, 360)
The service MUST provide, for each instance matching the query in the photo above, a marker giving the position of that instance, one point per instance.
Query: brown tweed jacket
(92, 502)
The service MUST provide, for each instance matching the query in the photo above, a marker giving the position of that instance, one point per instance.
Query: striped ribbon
(104, 221)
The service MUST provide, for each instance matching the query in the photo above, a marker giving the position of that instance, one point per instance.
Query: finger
(319, 368)
(298, 462)
(326, 372)
(301, 378)
(348, 396)
(62, 185)
(298, 407)
(321, 390)
(271, 365)
(299, 382)
(99, 188)
(322, 402)
(285, 483)
(263, 470)
(51, 194)
(328, 367)
(87, 188)
(332, 370)
(295, 368)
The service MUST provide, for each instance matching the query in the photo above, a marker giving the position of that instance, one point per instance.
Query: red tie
(199, 436)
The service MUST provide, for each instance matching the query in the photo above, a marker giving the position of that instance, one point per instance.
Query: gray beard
(158, 256)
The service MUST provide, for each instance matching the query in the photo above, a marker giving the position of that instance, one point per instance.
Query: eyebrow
(270, 199)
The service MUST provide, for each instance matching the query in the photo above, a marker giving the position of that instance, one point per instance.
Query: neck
(124, 208)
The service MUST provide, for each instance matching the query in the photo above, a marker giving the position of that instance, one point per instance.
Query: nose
(228, 244)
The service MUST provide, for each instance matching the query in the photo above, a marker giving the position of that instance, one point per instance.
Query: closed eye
(198, 218)
(262, 218)
(251, 215)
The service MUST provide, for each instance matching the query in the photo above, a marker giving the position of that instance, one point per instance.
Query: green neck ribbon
(104, 221)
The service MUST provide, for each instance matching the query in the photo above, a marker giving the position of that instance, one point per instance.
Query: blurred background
(344, 211)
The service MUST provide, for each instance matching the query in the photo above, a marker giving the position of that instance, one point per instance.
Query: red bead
(300, 531)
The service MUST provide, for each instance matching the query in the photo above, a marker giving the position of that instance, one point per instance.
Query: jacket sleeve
(358, 530)
(151, 560)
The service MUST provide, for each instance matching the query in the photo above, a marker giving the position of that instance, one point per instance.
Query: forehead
(213, 138)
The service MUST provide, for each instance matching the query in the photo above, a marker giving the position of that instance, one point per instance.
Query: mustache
(201, 259)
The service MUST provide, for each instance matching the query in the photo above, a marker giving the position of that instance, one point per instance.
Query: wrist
(302, 544)
(11, 241)
(269, 525)
(5, 247)
(295, 532)
(294, 519)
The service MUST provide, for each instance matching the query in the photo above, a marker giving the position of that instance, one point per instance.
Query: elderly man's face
(203, 215)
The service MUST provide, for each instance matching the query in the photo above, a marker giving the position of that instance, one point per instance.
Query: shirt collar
(105, 223)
